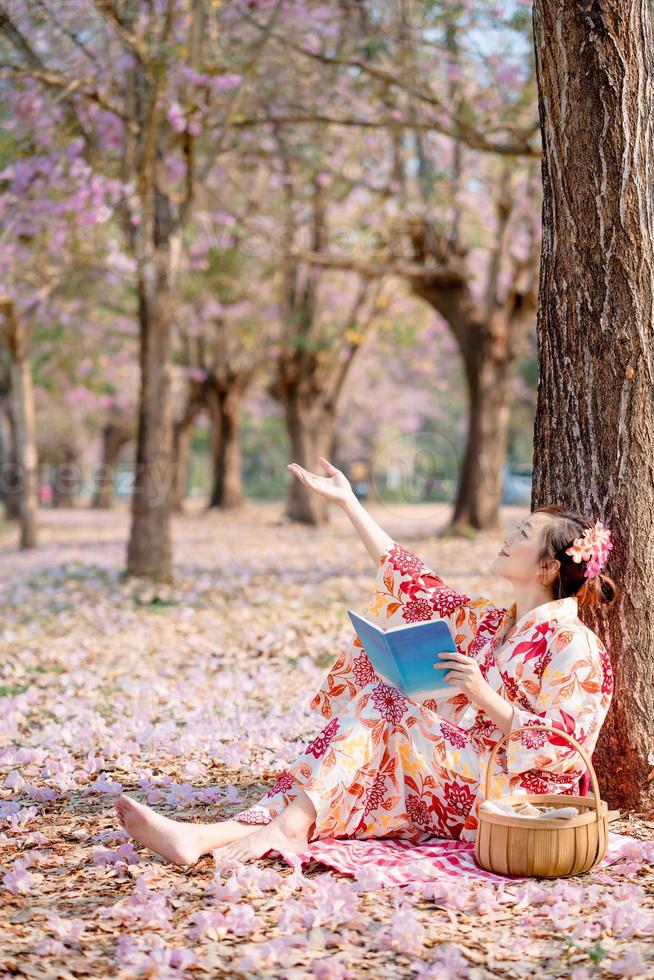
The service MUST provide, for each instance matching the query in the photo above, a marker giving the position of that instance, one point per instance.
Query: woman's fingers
(325, 485)
(300, 471)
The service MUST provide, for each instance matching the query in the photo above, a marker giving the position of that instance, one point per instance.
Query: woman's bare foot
(289, 831)
(180, 842)
(271, 837)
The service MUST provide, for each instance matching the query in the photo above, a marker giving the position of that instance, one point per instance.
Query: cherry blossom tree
(51, 197)
(458, 223)
(151, 88)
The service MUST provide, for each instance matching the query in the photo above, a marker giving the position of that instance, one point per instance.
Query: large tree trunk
(311, 426)
(224, 409)
(21, 408)
(491, 337)
(491, 348)
(114, 436)
(149, 550)
(594, 430)
(489, 377)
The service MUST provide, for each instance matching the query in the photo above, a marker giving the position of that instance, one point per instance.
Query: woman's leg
(185, 843)
(177, 840)
(345, 679)
(358, 777)
(290, 831)
(386, 766)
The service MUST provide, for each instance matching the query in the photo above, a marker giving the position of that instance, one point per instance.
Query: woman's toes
(175, 841)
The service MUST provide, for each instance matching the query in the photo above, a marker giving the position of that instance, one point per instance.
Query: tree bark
(7, 445)
(224, 410)
(21, 408)
(310, 426)
(195, 405)
(149, 550)
(491, 346)
(594, 428)
(67, 479)
(115, 435)
(479, 490)
(491, 336)
(5, 456)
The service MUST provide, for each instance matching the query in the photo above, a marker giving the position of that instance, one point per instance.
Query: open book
(405, 655)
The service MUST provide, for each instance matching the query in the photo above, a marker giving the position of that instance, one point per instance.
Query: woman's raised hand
(335, 487)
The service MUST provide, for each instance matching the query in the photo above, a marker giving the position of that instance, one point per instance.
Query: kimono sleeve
(573, 698)
(408, 591)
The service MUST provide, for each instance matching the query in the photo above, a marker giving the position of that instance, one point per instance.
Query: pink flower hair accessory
(593, 547)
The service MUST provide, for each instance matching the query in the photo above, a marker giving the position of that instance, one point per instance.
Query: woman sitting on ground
(386, 765)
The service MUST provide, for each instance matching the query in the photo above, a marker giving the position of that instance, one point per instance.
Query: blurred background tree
(274, 233)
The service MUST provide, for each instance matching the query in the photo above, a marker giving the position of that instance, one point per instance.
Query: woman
(388, 765)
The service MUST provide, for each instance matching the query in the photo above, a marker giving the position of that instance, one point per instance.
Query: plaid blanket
(398, 862)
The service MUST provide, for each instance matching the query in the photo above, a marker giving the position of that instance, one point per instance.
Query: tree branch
(68, 88)
(459, 129)
(504, 148)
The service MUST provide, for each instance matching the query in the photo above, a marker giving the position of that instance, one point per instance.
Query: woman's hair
(565, 526)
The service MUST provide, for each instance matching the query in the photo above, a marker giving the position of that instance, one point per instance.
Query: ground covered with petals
(192, 697)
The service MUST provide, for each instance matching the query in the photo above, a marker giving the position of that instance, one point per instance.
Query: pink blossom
(150, 955)
(68, 930)
(223, 83)
(630, 964)
(19, 819)
(51, 947)
(144, 907)
(104, 785)
(231, 891)
(240, 920)
(14, 781)
(331, 969)
(176, 118)
(406, 931)
(19, 881)
(450, 964)
(180, 795)
(369, 878)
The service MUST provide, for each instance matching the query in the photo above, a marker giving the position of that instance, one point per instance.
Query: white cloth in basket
(527, 809)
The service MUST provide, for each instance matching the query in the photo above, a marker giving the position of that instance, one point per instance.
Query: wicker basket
(540, 848)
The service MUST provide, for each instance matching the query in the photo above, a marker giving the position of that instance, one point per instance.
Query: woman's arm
(375, 540)
(498, 709)
(336, 488)
(574, 697)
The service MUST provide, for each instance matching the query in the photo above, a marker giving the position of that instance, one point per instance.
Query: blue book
(405, 655)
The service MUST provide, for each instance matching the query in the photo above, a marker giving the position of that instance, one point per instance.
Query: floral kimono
(386, 765)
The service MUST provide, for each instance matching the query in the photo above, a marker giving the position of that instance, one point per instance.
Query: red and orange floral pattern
(385, 764)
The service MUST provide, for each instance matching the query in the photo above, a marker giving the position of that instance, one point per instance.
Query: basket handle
(546, 728)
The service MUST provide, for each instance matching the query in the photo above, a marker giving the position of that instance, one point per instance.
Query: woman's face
(518, 558)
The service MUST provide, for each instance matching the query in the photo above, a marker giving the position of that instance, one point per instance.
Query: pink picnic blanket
(398, 862)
